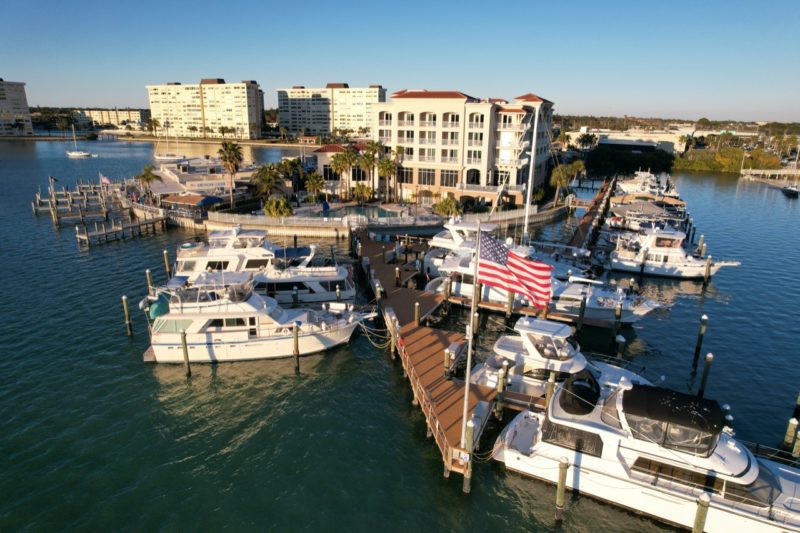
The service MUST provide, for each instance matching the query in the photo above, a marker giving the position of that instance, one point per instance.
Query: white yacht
(649, 183)
(167, 156)
(541, 347)
(75, 153)
(654, 451)
(661, 252)
(566, 296)
(277, 271)
(225, 320)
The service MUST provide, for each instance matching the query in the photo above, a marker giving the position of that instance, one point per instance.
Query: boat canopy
(657, 403)
(543, 327)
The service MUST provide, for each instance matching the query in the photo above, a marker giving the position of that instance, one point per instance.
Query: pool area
(370, 211)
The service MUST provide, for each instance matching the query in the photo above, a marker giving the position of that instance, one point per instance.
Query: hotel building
(15, 117)
(457, 145)
(320, 111)
(201, 109)
(115, 117)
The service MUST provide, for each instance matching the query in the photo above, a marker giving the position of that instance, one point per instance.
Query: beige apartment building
(116, 117)
(457, 145)
(15, 117)
(320, 111)
(201, 109)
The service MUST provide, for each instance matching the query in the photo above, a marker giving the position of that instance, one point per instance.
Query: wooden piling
(561, 488)
(475, 320)
(582, 312)
(501, 387)
(296, 346)
(149, 281)
(702, 512)
(295, 296)
(617, 318)
(704, 379)
(509, 303)
(470, 446)
(416, 313)
(447, 363)
(397, 282)
(166, 264)
(703, 250)
(791, 429)
(699, 345)
(551, 387)
(126, 312)
(707, 273)
(185, 348)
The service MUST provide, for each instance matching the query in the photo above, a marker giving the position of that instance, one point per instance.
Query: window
(359, 174)
(609, 413)
(473, 156)
(405, 175)
(665, 472)
(671, 435)
(572, 438)
(234, 322)
(186, 266)
(426, 176)
(256, 263)
(328, 174)
(449, 178)
(217, 265)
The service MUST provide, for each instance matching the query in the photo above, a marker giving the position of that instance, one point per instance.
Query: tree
(343, 163)
(231, 157)
(564, 138)
(387, 169)
(223, 130)
(587, 140)
(397, 156)
(193, 129)
(366, 162)
(277, 207)
(447, 207)
(284, 133)
(362, 192)
(153, 124)
(146, 178)
(207, 130)
(375, 150)
(563, 174)
(314, 184)
(267, 177)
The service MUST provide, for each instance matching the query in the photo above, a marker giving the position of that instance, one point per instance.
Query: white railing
(427, 158)
(476, 188)
(427, 123)
(511, 127)
(405, 140)
(473, 160)
(426, 140)
(449, 159)
(261, 220)
(475, 142)
(405, 122)
(449, 142)
(450, 124)
(476, 125)
(384, 123)
(149, 210)
(516, 214)
(386, 140)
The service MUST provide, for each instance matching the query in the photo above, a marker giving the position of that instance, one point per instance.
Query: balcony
(512, 162)
(405, 122)
(405, 140)
(512, 127)
(449, 159)
(475, 142)
(426, 140)
(427, 124)
(427, 158)
(477, 188)
(384, 123)
(450, 124)
(386, 140)
(474, 160)
(476, 125)
(449, 142)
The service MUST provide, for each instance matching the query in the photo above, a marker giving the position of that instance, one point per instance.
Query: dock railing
(262, 220)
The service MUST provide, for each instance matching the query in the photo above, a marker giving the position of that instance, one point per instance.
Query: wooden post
(791, 429)
(447, 355)
(707, 273)
(149, 281)
(702, 512)
(581, 313)
(416, 313)
(561, 488)
(128, 326)
(501, 387)
(796, 449)
(551, 387)
(509, 303)
(296, 346)
(448, 287)
(392, 338)
(699, 345)
(295, 242)
(704, 378)
(475, 320)
(396, 276)
(470, 446)
(617, 318)
(185, 347)
(620, 345)
(701, 241)
(703, 249)
(166, 264)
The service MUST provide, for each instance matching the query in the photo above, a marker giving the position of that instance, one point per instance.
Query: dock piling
(707, 273)
(704, 378)
(470, 446)
(128, 326)
(582, 312)
(416, 313)
(702, 512)
(620, 345)
(149, 281)
(397, 282)
(185, 348)
(703, 250)
(699, 345)
(501, 387)
(701, 241)
(551, 387)
(617, 318)
(791, 430)
(296, 346)
(509, 303)
(166, 263)
(295, 296)
(796, 449)
(561, 488)
(475, 320)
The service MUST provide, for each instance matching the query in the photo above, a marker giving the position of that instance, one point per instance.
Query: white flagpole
(473, 309)
(531, 175)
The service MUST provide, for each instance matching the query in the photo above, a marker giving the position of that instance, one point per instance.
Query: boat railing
(773, 454)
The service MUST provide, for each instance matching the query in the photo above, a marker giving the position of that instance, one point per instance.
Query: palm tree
(362, 192)
(193, 129)
(146, 178)
(314, 184)
(231, 157)
(284, 133)
(343, 163)
(375, 149)
(278, 207)
(448, 207)
(207, 130)
(266, 178)
(366, 162)
(563, 174)
(564, 138)
(154, 125)
(387, 168)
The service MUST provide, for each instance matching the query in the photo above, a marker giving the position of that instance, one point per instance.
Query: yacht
(168, 156)
(566, 296)
(290, 275)
(791, 191)
(661, 252)
(75, 153)
(653, 451)
(649, 183)
(539, 348)
(225, 320)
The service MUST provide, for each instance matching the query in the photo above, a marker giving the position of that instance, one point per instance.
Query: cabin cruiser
(225, 320)
(654, 451)
(566, 296)
(791, 191)
(638, 215)
(539, 348)
(456, 237)
(289, 275)
(649, 183)
(661, 252)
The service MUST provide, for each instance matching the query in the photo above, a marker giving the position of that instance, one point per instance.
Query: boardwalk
(592, 219)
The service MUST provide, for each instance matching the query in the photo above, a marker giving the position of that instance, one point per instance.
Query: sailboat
(168, 156)
(77, 153)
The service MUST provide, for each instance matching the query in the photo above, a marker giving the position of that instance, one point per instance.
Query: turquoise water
(93, 439)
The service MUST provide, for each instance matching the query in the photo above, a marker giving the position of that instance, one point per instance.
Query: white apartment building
(15, 117)
(320, 111)
(201, 109)
(115, 117)
(457, 145)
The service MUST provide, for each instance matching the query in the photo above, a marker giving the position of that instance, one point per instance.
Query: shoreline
(151, 139)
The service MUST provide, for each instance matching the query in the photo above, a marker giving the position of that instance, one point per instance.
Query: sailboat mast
(470, 335)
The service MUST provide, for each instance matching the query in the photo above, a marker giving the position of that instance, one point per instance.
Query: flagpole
(470, 336)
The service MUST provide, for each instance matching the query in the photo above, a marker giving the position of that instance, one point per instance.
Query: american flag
(502, 268)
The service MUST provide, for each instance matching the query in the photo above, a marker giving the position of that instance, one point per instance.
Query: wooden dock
(428, 356)
(119, 230)
(590, 223)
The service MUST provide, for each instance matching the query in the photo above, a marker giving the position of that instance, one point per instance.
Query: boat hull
(658, 270)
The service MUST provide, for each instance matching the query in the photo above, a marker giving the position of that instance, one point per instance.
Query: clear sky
(677, 59)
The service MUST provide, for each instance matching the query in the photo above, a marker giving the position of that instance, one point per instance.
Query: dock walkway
(593, 218)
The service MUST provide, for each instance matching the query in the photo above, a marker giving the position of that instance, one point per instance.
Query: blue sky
(677, 59)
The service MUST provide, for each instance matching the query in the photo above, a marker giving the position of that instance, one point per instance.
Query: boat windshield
(762, 492)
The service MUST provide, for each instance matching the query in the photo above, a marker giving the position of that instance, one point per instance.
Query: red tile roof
(511, 110)
(530, 97)
(432, 94)
(330, 148)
